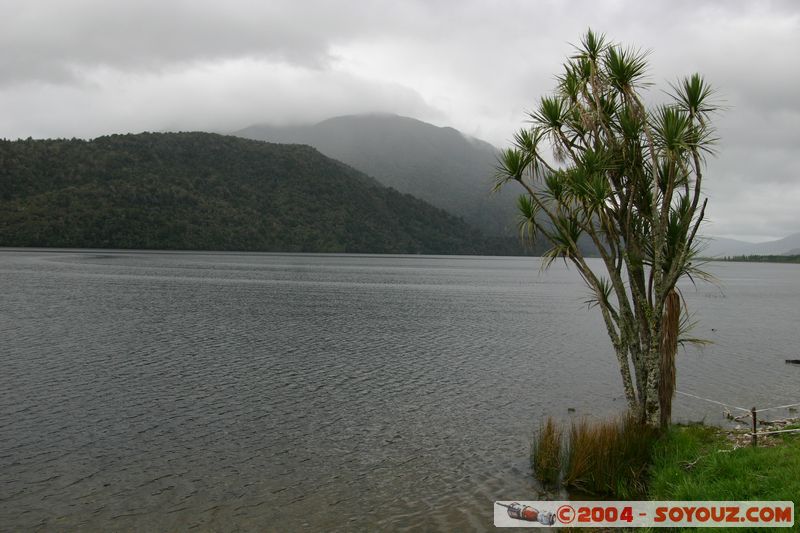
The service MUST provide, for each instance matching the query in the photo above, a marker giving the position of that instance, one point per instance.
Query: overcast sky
(83, 68)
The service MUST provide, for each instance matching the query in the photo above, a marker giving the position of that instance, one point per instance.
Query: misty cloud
(211, 97)
(90, 67)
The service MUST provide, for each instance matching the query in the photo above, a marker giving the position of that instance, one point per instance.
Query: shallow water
(220, 391)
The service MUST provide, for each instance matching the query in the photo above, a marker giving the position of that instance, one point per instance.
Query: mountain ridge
(196, 190)
(723, 247)
(440, 165)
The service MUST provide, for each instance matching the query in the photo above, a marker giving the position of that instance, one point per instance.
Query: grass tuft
(546, 452)
(610, 457)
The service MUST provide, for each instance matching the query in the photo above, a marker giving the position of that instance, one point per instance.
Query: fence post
(755, 437)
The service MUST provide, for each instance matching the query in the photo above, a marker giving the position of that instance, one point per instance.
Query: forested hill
(210, 192)
(440, 165)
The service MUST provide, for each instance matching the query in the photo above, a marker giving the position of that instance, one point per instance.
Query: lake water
(218, 391)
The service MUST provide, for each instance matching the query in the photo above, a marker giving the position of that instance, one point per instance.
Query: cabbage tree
(598, 164)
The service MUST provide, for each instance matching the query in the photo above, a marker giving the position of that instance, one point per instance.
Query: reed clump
(546, 452)
(604, 458)
(609, 457)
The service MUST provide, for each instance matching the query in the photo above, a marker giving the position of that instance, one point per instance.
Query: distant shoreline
(757, 259)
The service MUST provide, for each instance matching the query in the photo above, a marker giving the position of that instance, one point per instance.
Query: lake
(147, 391)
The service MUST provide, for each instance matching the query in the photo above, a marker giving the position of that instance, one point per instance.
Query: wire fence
(753, 414)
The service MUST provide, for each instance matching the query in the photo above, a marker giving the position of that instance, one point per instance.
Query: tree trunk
(652, 408)
(627, 381)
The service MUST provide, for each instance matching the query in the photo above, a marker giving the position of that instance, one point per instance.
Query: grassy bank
(698, 463)
(619, 459)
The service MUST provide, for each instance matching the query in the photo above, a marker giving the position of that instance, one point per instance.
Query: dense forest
(211, 192)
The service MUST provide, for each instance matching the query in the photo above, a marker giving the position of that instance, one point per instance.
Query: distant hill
(439, 165)
(212, 192)
(718, 247)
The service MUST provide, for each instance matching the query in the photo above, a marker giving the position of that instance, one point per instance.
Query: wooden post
(755, 429)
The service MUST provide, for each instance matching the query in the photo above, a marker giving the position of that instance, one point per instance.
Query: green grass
(621, 459)
(688, 465)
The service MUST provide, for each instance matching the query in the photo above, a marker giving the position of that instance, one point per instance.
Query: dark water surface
(173, 391)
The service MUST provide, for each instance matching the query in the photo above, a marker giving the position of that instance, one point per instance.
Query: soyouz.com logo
(644, 514)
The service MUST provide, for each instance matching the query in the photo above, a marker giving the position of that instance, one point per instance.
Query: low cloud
(90, 67)
(220, 97)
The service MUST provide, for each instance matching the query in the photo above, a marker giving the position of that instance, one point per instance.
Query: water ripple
(175, 391)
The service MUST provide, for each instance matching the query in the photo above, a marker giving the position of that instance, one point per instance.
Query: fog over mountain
(93, 67)
(439, 165)
(720, 247)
